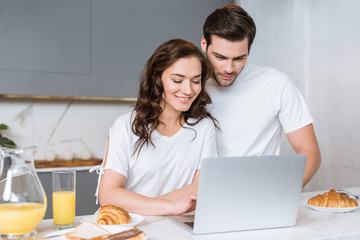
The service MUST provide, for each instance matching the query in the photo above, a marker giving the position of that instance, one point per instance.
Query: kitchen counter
(310, 225)
(83, 168)
(86, 182)
(58, 164)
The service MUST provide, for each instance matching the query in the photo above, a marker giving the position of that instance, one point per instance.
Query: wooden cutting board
(67, 163)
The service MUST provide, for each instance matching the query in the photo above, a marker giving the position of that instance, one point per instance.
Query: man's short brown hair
(230, 22)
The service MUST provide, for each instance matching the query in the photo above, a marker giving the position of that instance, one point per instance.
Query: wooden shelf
(67, 163)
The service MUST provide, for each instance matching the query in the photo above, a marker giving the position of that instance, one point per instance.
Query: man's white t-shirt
(254, 110)
(170, 165)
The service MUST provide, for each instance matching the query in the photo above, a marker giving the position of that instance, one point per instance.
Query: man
(253, 104)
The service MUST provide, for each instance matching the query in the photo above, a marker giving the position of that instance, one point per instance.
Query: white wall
(317, 43)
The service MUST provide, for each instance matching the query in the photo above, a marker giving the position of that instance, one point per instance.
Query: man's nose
(229, 67)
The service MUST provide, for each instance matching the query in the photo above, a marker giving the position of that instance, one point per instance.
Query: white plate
(332, 210)
(135, 220)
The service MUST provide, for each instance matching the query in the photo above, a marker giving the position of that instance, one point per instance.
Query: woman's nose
(187, 87)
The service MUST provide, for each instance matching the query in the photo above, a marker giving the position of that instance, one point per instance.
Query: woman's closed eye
(196, 80)
(177, 80)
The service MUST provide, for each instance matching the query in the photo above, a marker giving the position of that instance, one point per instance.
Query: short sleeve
(209, 144)
(294, 114)
(118, 156)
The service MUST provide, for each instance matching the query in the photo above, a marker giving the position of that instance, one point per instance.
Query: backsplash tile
(61, 126)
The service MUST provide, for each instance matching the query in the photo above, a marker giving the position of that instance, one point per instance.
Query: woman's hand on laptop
(194, 197)
(184, 204)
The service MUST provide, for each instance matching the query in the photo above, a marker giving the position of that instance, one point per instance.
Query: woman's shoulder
(206, 122)
(124, 119)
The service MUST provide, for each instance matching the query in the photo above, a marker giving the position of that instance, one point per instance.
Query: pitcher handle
(7, 189)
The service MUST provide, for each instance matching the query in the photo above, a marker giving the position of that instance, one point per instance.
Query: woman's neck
(170, 122)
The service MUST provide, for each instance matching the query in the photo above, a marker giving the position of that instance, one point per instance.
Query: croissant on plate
(332, 199)
(112, 215)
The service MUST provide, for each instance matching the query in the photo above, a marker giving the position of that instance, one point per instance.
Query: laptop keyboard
(191, 224)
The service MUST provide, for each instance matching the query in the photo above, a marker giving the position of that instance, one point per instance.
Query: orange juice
(63, 207)
(20, 218)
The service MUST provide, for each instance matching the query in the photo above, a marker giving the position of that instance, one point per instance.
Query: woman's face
(182, 83)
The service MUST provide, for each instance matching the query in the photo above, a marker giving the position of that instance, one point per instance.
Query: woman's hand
(112, 191)
(184, 204)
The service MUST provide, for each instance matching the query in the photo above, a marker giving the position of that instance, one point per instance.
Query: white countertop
(310, 225)
(81, 168)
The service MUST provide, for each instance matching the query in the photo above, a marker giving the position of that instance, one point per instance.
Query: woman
(154, 153)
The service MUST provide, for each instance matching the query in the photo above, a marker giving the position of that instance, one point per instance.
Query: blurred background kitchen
(97, 48)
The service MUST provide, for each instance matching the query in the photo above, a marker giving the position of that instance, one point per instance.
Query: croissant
(332, 199)
(112, 215)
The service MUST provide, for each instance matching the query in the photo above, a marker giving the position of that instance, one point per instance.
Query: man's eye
(220, 57)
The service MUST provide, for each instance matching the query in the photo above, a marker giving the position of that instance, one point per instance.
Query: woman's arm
(184, 191)
(112, 191)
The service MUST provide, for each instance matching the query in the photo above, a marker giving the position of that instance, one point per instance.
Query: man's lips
(226, 77)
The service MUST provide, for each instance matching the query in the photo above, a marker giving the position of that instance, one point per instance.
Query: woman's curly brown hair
(147, 107)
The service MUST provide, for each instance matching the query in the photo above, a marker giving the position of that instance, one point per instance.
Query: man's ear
(203, 44)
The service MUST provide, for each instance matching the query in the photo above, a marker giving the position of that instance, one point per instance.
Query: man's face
(228, 58)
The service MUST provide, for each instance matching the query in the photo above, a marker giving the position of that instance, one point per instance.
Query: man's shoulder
(262, 71)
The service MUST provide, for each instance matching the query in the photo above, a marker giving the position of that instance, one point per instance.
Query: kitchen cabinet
(89, 48)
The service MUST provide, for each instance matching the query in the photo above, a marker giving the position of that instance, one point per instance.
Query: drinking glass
(64, 188)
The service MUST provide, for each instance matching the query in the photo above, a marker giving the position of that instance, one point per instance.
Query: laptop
(246, 193)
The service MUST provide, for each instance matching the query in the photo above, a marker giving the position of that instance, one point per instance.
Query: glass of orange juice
(63, 195)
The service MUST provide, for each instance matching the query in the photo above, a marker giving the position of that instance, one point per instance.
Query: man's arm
(303, 141)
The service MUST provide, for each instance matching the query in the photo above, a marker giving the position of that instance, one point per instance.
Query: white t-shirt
(253, 111)
(170, 165)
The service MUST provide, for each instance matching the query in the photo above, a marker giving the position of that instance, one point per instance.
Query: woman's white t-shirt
(170, 165)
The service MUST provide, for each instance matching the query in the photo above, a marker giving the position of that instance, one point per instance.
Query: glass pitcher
(22, 198)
